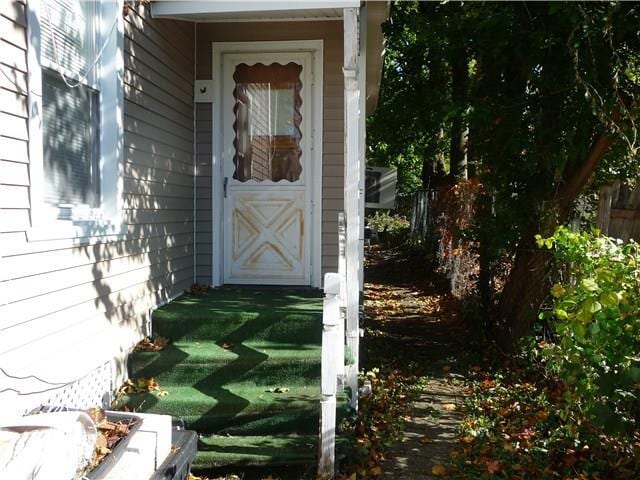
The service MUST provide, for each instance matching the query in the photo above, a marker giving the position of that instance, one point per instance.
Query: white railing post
(331, 342)
(352, 146)
(342, 272)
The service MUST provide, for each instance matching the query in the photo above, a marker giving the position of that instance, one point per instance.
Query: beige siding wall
(68, 307)
(332, 162)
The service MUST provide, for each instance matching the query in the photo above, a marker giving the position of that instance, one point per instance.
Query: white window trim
(110, 78)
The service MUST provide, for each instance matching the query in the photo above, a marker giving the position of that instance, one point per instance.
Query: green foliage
(595, 310)
(542, 83)
(392, 229)
(515, 426)
(415, 111)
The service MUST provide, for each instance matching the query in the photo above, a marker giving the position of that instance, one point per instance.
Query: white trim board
(173, 8)
(218, 49)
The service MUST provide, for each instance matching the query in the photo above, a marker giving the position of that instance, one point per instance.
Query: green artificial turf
(242, 369)
(256, 450)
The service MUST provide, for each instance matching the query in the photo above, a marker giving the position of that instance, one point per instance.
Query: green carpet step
(216, 451)
(269, 373)
(237, 328)
(206, 351)
(210, 409)
(238, 358)
(288, 316)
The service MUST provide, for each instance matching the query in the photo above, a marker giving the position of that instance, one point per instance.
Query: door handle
(225, 182)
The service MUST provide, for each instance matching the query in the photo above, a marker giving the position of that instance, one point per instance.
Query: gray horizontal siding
(58, 293)
(14, 133)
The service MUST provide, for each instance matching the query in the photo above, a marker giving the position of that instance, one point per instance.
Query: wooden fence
(619, 211)
(422, 214)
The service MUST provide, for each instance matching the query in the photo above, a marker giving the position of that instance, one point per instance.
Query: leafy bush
(392, 229)
(596, 307)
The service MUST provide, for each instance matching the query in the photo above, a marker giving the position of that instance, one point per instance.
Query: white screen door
(266, 102)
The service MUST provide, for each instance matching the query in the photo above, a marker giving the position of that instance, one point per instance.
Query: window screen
(70, 143)
(74, 29)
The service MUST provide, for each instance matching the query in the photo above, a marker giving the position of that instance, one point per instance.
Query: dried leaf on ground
(439, 470)
(198, 289)
(152, 344)
(135, 386)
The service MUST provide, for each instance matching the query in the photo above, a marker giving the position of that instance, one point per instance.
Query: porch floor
(242, 368)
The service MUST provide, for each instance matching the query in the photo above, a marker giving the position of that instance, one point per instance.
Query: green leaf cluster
(542, 82)
(595, 313)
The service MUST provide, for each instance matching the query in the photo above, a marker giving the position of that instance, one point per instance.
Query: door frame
(315, 48)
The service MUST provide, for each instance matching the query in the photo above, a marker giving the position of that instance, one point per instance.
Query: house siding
(14, 136)
(68, 308)
(333, 127)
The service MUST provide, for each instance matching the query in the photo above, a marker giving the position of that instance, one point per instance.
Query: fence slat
(604, 209)
(619, 211)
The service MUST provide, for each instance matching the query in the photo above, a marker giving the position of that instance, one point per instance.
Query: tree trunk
(521, 297)
(525, 290)
(459, 131)
(485, 287)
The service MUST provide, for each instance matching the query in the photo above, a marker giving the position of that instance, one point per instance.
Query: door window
(267, 122)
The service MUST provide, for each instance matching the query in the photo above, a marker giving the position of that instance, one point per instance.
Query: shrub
(392, 229)
(595, 312)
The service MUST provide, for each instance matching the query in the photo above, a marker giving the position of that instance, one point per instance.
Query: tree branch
(580, 176)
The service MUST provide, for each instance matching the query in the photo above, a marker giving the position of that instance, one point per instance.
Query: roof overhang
(377, 13)
(374, 15)
(251, 11)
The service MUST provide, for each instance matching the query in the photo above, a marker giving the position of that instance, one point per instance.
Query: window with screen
(70, 105)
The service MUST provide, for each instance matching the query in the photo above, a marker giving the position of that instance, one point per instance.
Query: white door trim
(315, 47)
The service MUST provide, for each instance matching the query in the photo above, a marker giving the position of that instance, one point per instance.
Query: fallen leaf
(376, 471)
(151, 345)
(487, 383)
(494, 467)
(542, 415)
(439, 470)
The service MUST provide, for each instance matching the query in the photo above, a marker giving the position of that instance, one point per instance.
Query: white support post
(331, 341)
(351, 192)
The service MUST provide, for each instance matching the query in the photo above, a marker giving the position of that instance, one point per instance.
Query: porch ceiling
(271, 11)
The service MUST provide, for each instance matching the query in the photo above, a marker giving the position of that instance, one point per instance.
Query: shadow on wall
(75, 308)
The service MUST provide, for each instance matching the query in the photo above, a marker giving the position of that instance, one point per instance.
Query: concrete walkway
(430, 433)
(417, 326)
